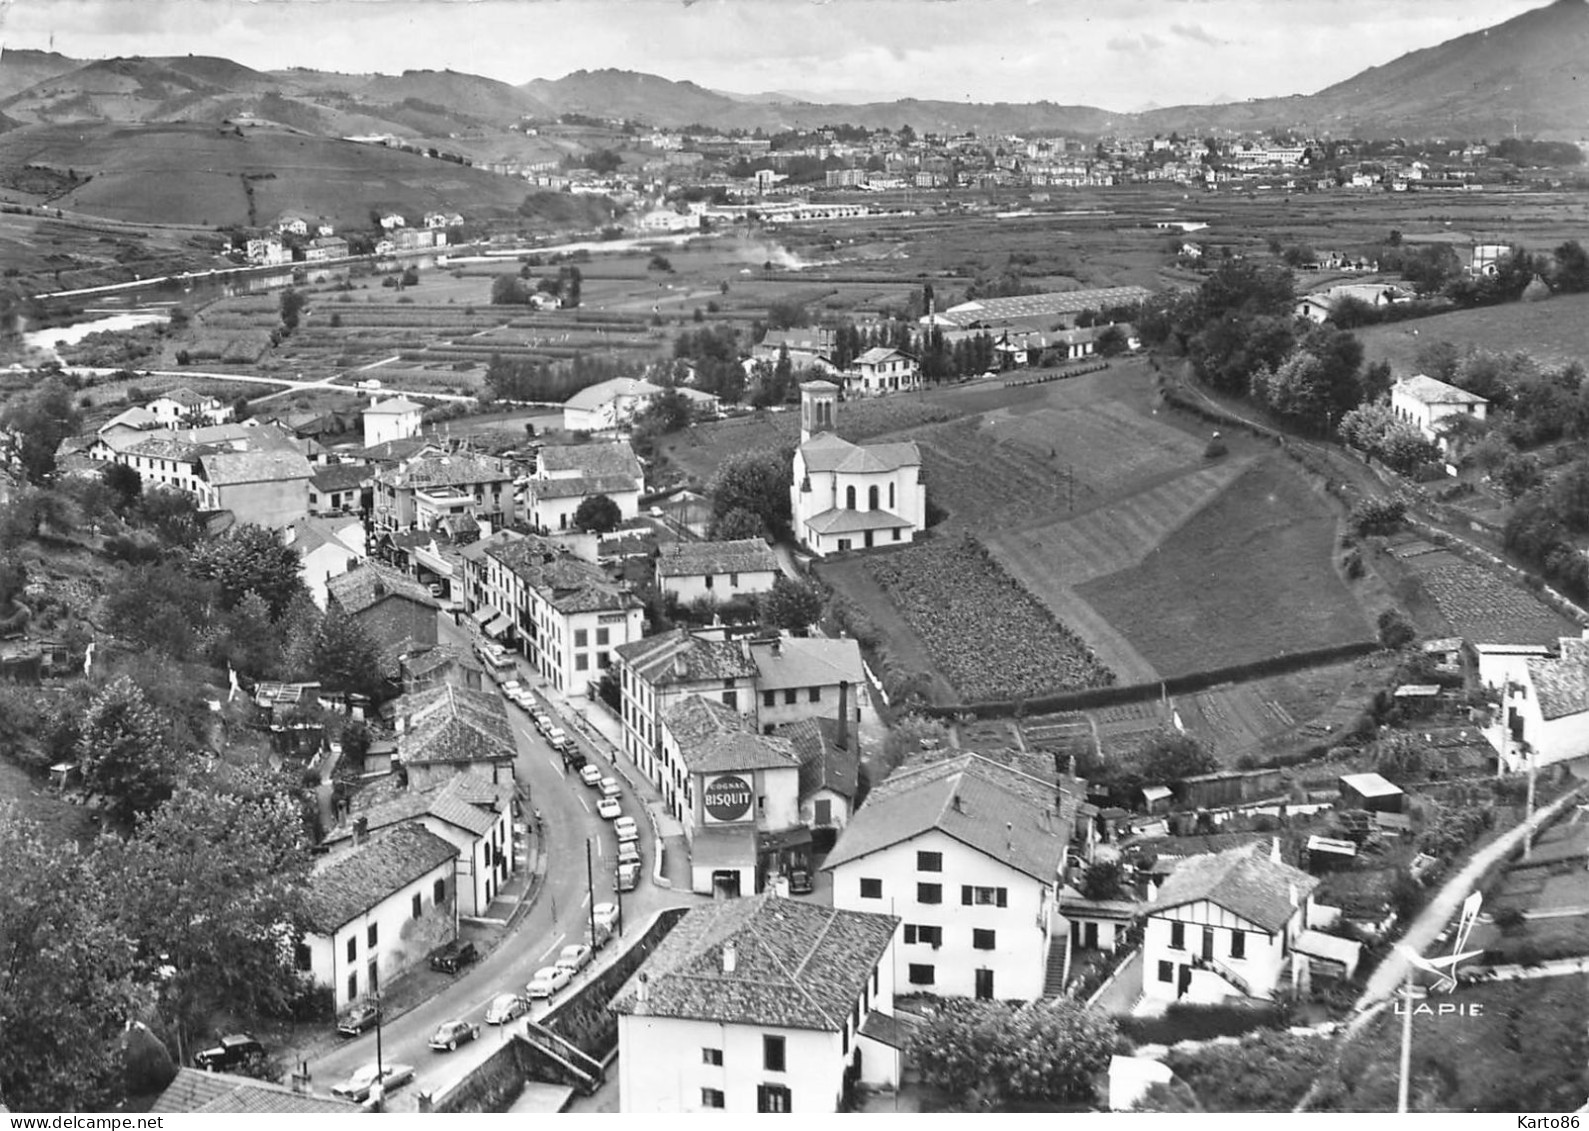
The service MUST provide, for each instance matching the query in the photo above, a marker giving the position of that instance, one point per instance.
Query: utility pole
(590, 885)
(1408, 995)
(1528, 837)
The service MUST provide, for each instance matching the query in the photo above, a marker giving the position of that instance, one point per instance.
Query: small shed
(1446, 653)
(1373, 792)
(1156, 798)
(1328, 956)
(1326, 854)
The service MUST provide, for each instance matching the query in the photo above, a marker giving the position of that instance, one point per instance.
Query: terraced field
(1484, 607)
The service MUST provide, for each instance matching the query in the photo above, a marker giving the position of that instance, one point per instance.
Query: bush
(1394, 629)
(1216, 447)
(1377, 516)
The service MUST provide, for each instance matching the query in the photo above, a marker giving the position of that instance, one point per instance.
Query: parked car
(232, 1051)
(357, 1086)
(609, 787)
(453, 956)
(629, 851)
(361, 1016)
(504, 1008)
(543, 721)
(628, 877)
(627, 829)
(547, 981)
(604, 915)
(509, 686)
(435, 590)
(556, 737)
(573, 757)
(590, 775)
(800, 881)
(450, 1034)
(609, 808)
(575, 957)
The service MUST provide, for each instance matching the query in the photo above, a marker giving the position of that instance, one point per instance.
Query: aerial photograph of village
(640, 556)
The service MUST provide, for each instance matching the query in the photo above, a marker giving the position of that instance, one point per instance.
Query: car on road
(609, 808)
(604, 915)
(627, 829)
(454, 956)
(575, 957)
(629, 851)
(357, 1086)
(800, 881)
(609, 787)
(504, 1008)
(628, 877)
(573, 757)
(547, 981)
(360, 1017)
(556, 737)
(450, 1034)
(543, 721)
(521, 698)
(590, 775)
(509, 686)
(232, 1051)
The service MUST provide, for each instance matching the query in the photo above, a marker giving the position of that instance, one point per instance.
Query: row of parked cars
(610, 808)
(548, 980)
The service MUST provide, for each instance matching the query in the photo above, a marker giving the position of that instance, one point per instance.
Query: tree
(1104, 880)
(249, 559)
(1570, 272)
(1170, 755)
(910, 735)
(345, 657)
(41, 419)
(66, 984)
(1401, 757)
(159, 609)
(212, 886)
(571, 287)
(509, 290)
(124, 752)
(758, 482)
(292, 304)
(791, 605)
(1517, 474)
(737, 524)
(598, 515)
(1110, 342)
(1395, 630)
(995, 1051)
(668, 411)
(1296, 391)
(125, 482)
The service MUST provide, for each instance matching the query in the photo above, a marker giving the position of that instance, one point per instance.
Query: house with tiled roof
(1224, 925)
(564, 614)
(445, 663)
(395, 418)
(737, 794)
(135, 419)
(327, 547)
(657, 672)
(969, 853)
(798, 677)
(469, 810)
(1429, 404)
(445, 730)
(183, 408)
(421, 491)
(398, 613)
(719, 571)
(809, 347)
(338, 488)
(882, 370)
(194, 1091)
(608, 404)
(568, 474)
(379, 909)
(760, 1005)
(829, 751)
(848, 496)
(1543, 715)
(263, 486)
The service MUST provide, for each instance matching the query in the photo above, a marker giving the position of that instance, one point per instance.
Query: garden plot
(1484, 607)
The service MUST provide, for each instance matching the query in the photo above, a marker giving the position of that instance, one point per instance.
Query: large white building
(760, 1005)
(969, 854)
(608, 405)
(568, 474)
(851, 496)
(1427, 403)
(394, 419)
(1544, 708)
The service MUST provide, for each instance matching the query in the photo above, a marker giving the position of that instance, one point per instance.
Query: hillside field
(1555, 331)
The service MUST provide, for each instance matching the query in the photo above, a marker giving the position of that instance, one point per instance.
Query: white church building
(851, 496)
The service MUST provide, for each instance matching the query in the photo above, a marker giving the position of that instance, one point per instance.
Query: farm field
(853, 578)
(1555, 332)
(985, 633)
(1250, 576)
(1478, 604)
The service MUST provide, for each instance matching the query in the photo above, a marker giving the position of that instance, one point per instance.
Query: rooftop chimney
(844, 715)
(1009, 836)
(643, 991)
(1274, 850)
(730, 957)
(954, 802)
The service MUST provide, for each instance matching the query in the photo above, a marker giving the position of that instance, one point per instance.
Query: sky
(1120, 55)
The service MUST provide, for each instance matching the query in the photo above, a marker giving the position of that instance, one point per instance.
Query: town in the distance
(606, 596)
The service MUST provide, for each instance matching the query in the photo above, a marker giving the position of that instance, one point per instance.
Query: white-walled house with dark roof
(968, 853)
(760, 1005)
(1544, 709)
(720, 571)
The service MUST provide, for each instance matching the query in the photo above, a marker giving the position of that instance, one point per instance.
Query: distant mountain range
(1529, 75)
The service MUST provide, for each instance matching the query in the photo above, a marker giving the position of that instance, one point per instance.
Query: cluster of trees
(1399, 445)
(531, 379)
(517, 290)
(750, 496)
(713, 351)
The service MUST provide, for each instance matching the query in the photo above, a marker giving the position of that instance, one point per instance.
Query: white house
(760, 1005)
(737, 797)
(1223, 926)
(1486, 257)
(851, 496)
(378, 910)
(881, 370)
(183, 408)
(446, 730)
(801, 677)
(468, 810)
(968, 853)
(327, 548)
(830, 762)
(608, 405)
(568, 474)
(719, 570)
(1544, 709)
(395, 419)
(338, 488)
(1426, 402)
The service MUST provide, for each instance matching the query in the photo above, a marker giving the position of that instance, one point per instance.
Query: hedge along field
(986, 634)
(1250, 576)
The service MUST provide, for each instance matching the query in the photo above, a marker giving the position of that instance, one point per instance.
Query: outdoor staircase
(1058, 955)
(576, 1066)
